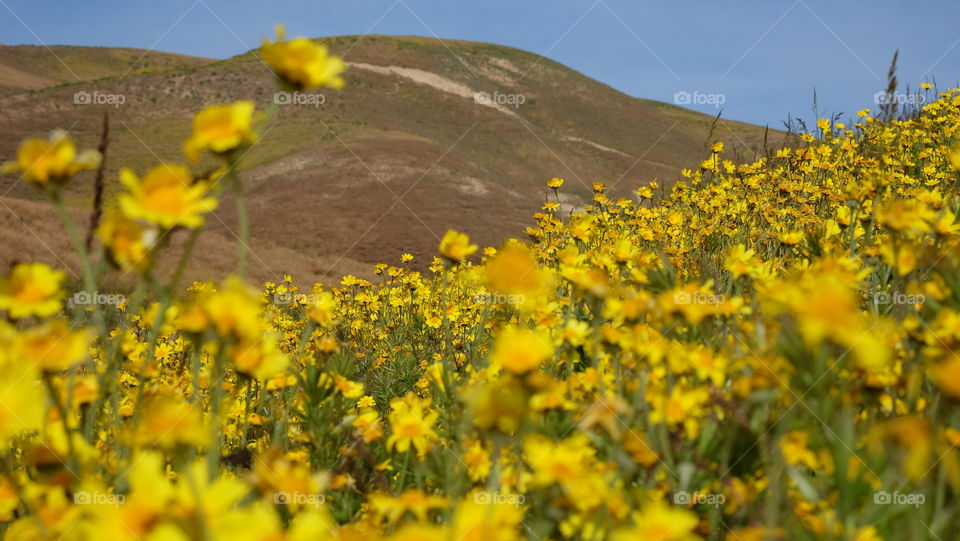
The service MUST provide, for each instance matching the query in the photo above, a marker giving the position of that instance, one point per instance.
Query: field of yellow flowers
(765, 351)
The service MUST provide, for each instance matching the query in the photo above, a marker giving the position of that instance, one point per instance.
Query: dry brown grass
(30, 231)
(389, 165)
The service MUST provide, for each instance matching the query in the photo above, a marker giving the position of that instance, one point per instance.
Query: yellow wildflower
(42, 161)
(22, 400)
(166, 196)
(31, 289)
(520, 350)
(260, 358)
(411, 424)
(169, 420)
(481, 518)
(302, 63)
(456, 246)
(126, 240)
(416, 502)
(660, 522)
(741, 261)
(220, 129)
(54, 346)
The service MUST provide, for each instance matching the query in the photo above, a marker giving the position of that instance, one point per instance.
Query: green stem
(73, 231)
(247, 410)
(242, 223)
(184, 259)
(403, 470)
(216, 428)
(165, 302)
(62, 411)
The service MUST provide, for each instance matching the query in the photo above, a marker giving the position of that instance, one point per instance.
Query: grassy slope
(388, 164)
(30, 67)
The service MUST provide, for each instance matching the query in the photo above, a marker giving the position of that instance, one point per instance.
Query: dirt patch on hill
(594, 145)
(433, 80)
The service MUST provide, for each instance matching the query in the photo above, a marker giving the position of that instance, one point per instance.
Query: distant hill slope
(29, 67)
(403, 153)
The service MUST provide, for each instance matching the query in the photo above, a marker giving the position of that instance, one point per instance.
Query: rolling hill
(28, 67)
(427, 135)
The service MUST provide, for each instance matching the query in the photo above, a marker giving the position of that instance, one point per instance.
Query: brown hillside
(399, 156)
(30, 67)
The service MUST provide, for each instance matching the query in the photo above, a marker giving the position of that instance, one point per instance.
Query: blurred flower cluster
(766, 350)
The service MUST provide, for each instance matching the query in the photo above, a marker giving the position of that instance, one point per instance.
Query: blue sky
(761, 58)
